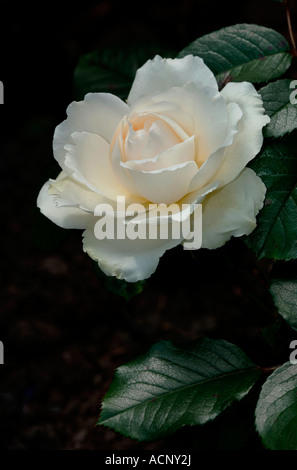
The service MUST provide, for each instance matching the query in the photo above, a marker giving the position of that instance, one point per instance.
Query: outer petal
(231, 210)
(99, 113)
(64, 216)
(249, 139)
(88, 163)
(211, 166)
(160, 74)
(132, 260)
(69, 193)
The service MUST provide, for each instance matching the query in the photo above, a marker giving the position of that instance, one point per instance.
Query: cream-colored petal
(137, 259)
(145, 120)
(160, 74)
(161, 137)
(131, 260)
(163, 186)
(98, 113)
(172, 112)
(210, 168)
(89, 163)
(232, 210)
(180, 153)
(201, 112)
(249, 138)
(63, 216)
(135, 142)
(70, 192)
(117, 155)
(182, 209)
(244, 137)
(149, 140)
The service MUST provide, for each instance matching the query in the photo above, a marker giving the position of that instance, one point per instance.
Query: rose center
(146, 136)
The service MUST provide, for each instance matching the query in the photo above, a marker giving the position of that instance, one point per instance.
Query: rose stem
(290, 29)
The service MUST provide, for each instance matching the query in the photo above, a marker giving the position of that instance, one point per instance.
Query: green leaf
(276, 233)
(284, 293)
(243, 52)
(276, 411)
(119, 286)
(283, 114)
(112, 70)
(171, 387)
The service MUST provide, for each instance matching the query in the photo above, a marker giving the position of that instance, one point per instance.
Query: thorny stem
(290, 29)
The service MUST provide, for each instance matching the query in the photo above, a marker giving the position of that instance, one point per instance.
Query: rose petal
(201, 112)
(231, 210)
(89, 163)
(210, 168)
(245, 144)
(117, 153)
(69, 192)
(161, 137)
(142, 119)
(182, 208)
(65, 217)
(180, 153)
(132, 260)
(160, 74)
(163, 186)
(249, 139)
(99, 113)
(179, 119)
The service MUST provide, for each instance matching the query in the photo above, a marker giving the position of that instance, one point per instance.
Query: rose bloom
(177, 139)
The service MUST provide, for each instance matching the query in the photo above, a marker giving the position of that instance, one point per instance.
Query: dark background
(63, 332)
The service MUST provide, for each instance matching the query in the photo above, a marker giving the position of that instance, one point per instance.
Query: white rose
(177, 139)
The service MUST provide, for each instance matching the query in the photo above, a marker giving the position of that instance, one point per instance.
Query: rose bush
(177, 139)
